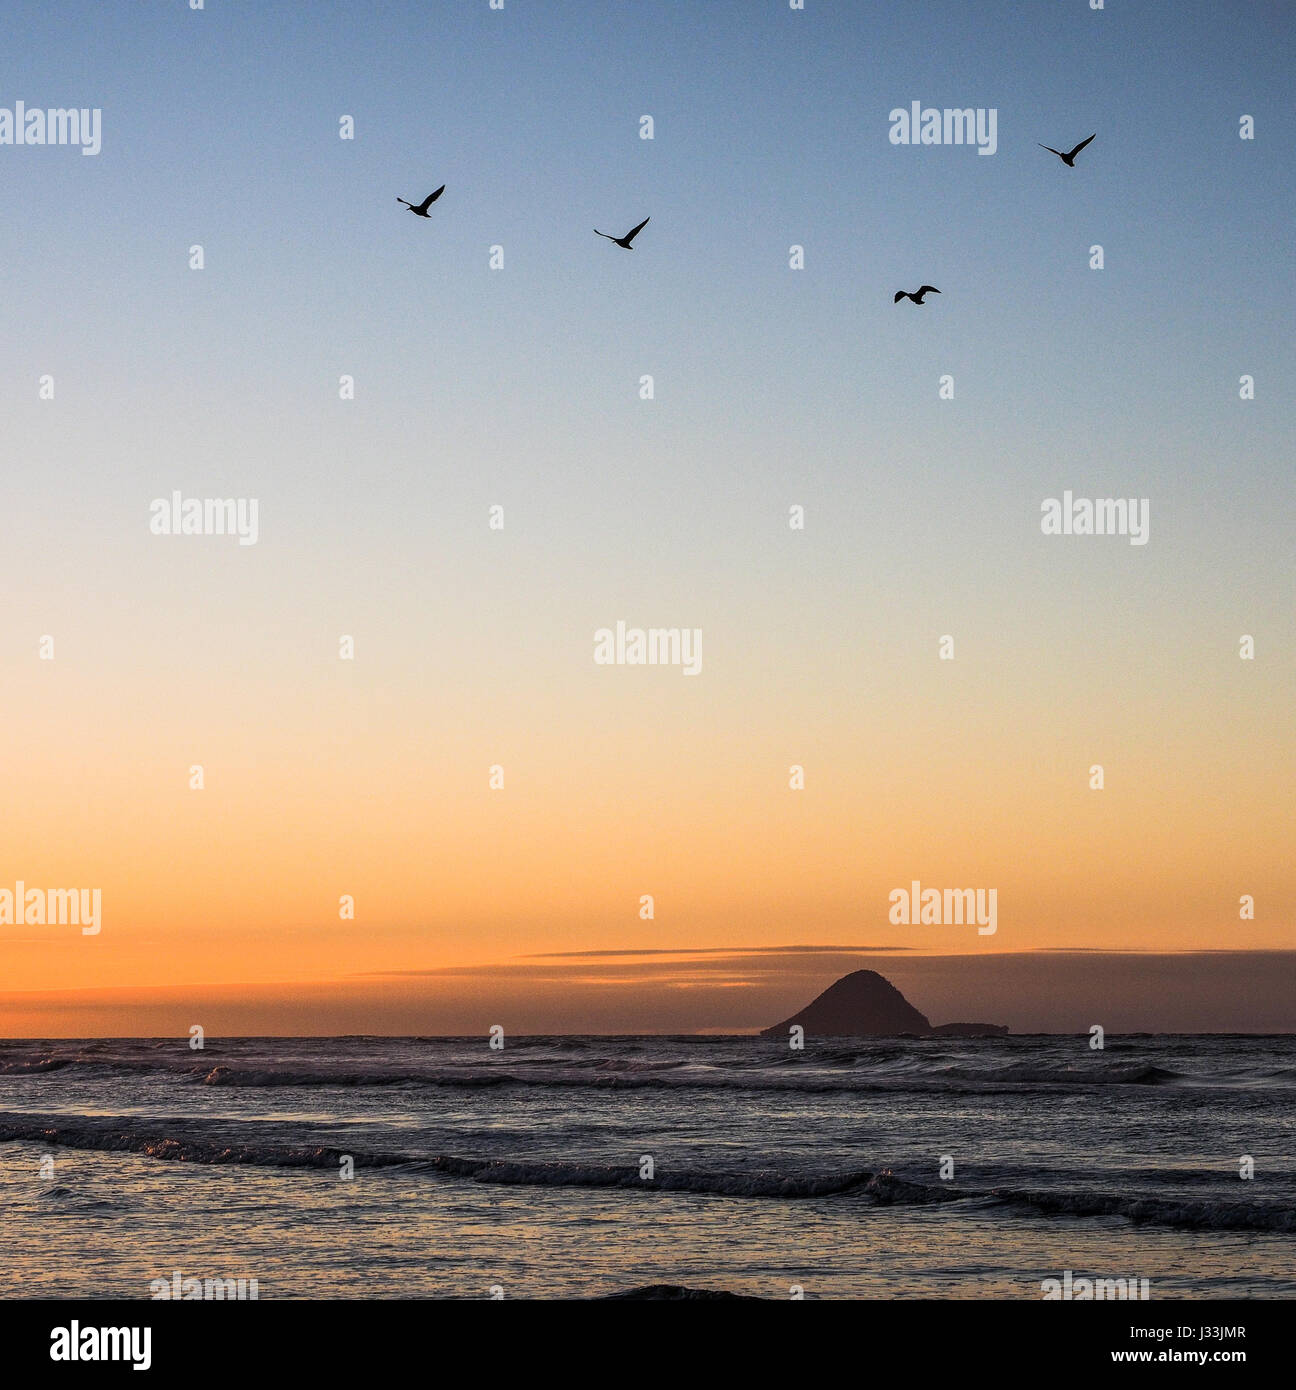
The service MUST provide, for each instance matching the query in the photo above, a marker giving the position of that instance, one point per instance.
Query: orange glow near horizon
(354, 794)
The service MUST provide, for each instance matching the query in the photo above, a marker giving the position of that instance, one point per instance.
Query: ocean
(583, 1167)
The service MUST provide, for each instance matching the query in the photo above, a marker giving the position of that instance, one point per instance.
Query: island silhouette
(865, 1004)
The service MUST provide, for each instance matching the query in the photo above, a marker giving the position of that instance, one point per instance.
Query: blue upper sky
(220, 127)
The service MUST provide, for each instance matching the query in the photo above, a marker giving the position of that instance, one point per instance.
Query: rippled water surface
(577, 1167)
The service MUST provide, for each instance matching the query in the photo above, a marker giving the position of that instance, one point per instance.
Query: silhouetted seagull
(1067, 159)
(422, 209)
(917, 295)
(629, 236)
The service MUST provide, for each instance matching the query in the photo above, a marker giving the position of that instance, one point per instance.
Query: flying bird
(422, 209)
(629, 236)
(917, 295)
(1067, 159)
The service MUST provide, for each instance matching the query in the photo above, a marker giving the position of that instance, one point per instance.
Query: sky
(520, 388)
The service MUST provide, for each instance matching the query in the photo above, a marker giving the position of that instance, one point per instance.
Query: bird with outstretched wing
(1069, 158)
(629, 236)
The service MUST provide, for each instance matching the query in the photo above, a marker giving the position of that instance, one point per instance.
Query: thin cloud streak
(1033, 992)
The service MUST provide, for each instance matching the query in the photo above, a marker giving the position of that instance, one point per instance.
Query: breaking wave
(834, 1069)
(868, 1187)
